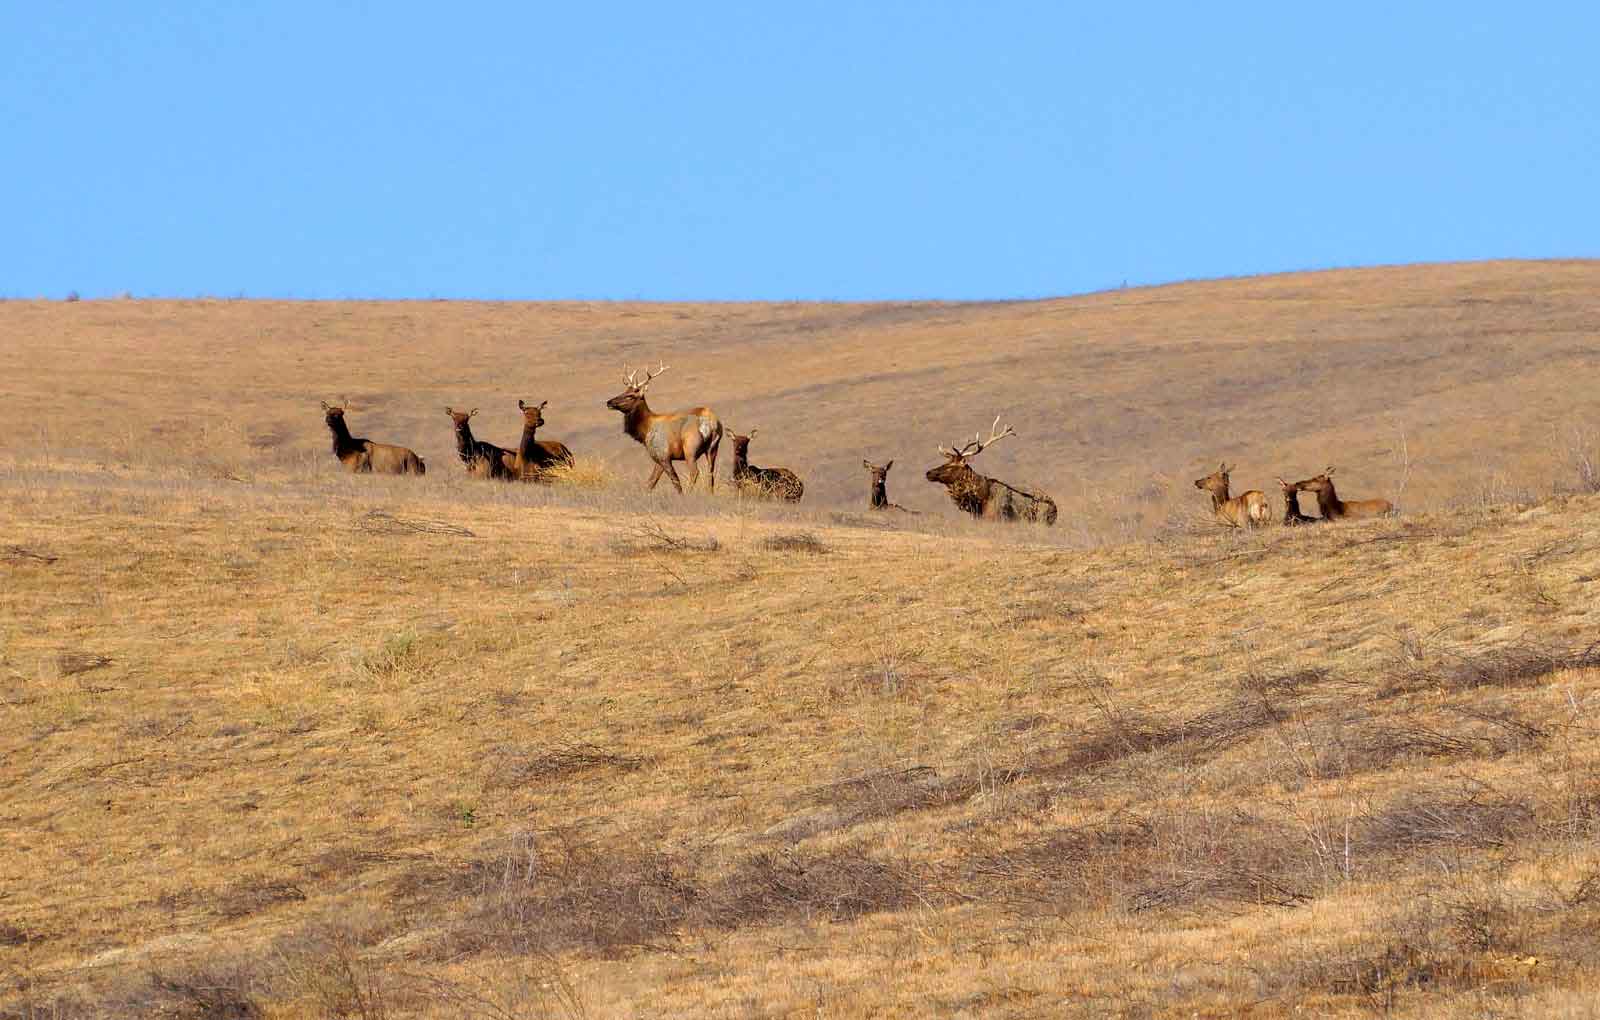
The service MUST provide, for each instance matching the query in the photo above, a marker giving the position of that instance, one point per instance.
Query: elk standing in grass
(483, 460)
(1292, 517)
(984, 497)
(1333, 508)
(535, 457)
(680, 435)
(1248, 509)
(363, 456)
(879, 500)
(769, 483)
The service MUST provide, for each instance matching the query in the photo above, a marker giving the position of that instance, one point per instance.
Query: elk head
(532, 417)
(879, 474)
(334, 412)
(633, 393)
(1216, 482)
(1320, 484)
(955, 464)
(460, 418)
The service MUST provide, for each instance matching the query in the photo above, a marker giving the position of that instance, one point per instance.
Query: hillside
(288, 743)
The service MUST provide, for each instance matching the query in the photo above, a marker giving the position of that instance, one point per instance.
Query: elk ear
(1282, 482)
(1222, 467)
(447, 409)
(887, 466)
(472, 412)
(543, 404)
(753, 432)
(325, 406)
(867, 464)
(1328, 472)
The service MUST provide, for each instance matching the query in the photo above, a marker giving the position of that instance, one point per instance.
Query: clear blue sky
(773, 151)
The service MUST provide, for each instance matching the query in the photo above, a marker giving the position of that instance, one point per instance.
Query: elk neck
(636, 422)
(464, 441)
(342, 441)
(528, 452)
(880, 494)
(1328, 501)
(741, 459)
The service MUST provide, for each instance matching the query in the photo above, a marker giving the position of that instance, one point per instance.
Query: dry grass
(286, 743)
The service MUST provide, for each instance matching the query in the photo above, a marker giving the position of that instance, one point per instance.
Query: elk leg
(711, 463)
(655, 476)
(693, 468)
(672, 475)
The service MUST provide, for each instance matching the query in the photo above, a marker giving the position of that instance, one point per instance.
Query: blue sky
(794, 151)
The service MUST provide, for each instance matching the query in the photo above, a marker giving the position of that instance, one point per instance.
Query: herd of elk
(988, 498)
(767, 483)
(363, 456)
(697, 432)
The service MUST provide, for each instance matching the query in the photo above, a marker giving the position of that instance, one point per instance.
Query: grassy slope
(587, 760)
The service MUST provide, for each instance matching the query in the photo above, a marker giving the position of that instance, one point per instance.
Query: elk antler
(978, 443)
(638, 387)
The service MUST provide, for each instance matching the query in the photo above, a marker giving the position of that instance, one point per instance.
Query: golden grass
(284, 742)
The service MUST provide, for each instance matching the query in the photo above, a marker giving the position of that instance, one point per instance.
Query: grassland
(283, 742)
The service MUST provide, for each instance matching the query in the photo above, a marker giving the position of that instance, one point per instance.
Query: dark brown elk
(768, 483)
(363, 456)
(879, 499)
(679, 435)
(1246, 510)
(988, 498)
(1335, 509)
(483, 460)
(535, 457)
(1292, 517)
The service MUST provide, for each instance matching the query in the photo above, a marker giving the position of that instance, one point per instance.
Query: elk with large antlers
(483, 459)
(535, 457)
(680, 435)
(879, 498)
(363, 456)
(1335, 509)
(768, 483)
(1246, 510)
(986, 497)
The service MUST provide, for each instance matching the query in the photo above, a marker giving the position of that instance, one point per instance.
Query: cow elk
(1335, 509)
(879, 499)
(363, 456)
(767, 483)
(1246, 510)
(988, 498)
(535, 457)
(679, 435)
(1292, 517)
(483, 460)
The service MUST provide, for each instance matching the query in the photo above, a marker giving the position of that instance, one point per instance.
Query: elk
(988, 498)
(363, 456)
(1333, 508)
(879, 500)
(535, 457)
(1292, 517)
(1248, 509)
(483, 460)
(679, 435)
(768, 483)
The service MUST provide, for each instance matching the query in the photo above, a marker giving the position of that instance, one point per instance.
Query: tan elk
(1333, 508)
(1247, 510)
(879, 498)
(483, 459)
(535, 457)
(1292, 516)
(988, 498)
(680, 435)
(363, 456)
(768, 483)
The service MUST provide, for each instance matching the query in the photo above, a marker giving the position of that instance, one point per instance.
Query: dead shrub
(794, 542)
(785, 886)
(254, 897)
(1523, 664)
(1425, 819)
(1352, 744)
(516, 766)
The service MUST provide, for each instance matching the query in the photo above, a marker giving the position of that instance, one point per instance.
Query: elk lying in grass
(483, 460)
(768, 483)
(988, 498)
(1248, 509)
(535, 457)
(680, 435)
(1292, 517)
(879, 500)
(1335, 509)
(363, 456)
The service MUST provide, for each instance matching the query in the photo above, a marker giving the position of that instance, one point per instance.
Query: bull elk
(1248, 509)
(483, 460)
(768, 483)
(363, 456)
(1335, 509)
(535, 457)
(1292, 517)
(988, 498)
(679, 435)
(879, 499)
